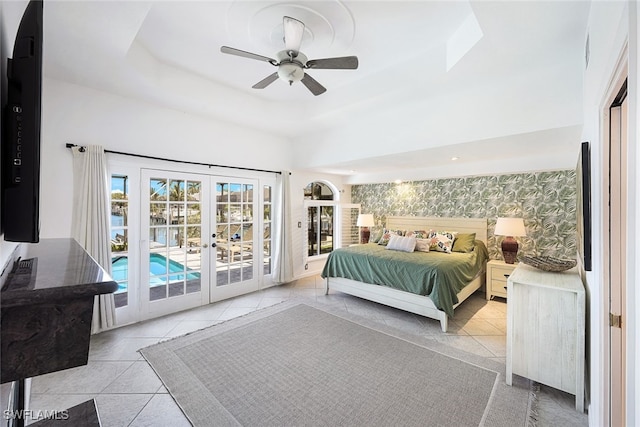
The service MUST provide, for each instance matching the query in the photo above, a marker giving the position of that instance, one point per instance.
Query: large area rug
(295, 364)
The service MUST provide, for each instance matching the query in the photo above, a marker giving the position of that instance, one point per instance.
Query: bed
(422, 291)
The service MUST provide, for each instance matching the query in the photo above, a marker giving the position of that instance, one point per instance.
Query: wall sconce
(364, 222)
(510, 227)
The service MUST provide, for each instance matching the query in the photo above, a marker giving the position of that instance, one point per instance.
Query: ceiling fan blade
(293, 32)
(266, 81)
(311, 84)
(342, 63)
(238, 52)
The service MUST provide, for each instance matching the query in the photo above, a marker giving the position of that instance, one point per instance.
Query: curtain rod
(69, 145)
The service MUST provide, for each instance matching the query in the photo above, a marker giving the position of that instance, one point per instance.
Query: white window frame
(335, 203)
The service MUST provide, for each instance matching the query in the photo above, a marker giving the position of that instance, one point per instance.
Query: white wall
(499, 109)
(80, 115)
(608, 29)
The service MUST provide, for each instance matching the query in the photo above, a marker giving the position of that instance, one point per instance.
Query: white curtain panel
(283, 252)
(91, 220)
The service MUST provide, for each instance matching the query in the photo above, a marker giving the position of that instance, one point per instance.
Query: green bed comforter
(435, 274)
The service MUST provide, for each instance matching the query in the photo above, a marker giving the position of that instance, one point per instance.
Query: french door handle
(213, 245)
(205, 245)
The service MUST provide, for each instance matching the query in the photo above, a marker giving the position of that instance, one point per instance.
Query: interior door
(617, 256)
(238, 246)
(174, 255)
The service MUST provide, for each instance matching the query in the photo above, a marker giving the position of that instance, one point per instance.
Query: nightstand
(497, 273)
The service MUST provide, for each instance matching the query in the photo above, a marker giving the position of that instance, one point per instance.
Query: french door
(200, 241)
(235, 238)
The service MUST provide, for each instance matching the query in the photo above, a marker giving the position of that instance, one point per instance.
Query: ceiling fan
(292, 63)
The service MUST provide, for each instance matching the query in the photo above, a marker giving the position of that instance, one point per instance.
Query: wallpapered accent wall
(546, 201)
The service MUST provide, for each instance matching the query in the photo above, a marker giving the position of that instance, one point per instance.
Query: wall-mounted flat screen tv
(21, 131)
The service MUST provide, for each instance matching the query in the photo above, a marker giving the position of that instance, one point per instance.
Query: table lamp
(364, 222)
(510, 227)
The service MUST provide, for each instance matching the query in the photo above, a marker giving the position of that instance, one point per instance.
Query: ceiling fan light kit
(291, 62)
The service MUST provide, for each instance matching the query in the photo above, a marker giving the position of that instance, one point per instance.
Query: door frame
(618, 78)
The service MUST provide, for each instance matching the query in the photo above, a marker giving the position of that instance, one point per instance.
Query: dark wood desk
(45, 323)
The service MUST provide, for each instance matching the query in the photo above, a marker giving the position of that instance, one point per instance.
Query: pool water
(157, 271)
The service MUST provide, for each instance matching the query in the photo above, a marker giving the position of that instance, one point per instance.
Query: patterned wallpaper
(546, 201)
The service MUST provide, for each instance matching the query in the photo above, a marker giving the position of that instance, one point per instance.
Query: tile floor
(128, 393)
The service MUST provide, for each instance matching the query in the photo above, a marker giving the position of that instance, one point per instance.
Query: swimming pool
(157, 271)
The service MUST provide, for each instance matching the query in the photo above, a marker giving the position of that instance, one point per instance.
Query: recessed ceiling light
(454, 158)
(398, 181)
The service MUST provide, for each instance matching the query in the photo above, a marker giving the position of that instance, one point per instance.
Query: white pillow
(422, 245)
(400, 243)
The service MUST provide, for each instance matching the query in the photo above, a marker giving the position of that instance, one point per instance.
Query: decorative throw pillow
(422, 245)
(376, 234)
(465, 242)
(386, 235)
(442, 241)
(400, 243)
(419, 234)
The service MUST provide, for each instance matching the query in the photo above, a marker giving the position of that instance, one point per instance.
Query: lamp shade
(365, 220)
(510, 227)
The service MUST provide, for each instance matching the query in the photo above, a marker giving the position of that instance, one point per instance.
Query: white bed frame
(413, 303)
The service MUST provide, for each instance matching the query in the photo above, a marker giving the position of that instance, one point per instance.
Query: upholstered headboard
(461, 225)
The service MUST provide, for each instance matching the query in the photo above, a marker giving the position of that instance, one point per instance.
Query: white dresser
(546, 329)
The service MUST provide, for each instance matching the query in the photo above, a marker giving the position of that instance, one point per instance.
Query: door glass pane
(326, 229)
(176, 213)
(222, 192)
(235, 212)
(312, 230)
(158, 288)
(176, 190)
(267, 193)
(193, 191)
(223, 233)
(247, 212)
(176, 285)
(158, 189)
(247, 232)
(235, 193)
(119, 237)
(248, 193)
(175, 238)
(193, 213)
(234, 233)
(320, 230)
(222, 213)
(235, 273)
(266, 233)
(194, 259)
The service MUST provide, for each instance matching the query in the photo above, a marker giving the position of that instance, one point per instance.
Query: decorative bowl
(547, 263)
